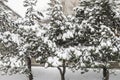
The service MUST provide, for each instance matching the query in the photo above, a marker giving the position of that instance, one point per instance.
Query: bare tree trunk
(105, 73)
(62, 70)
(29, 68)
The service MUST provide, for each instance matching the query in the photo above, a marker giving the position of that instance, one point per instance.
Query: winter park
(59, 39)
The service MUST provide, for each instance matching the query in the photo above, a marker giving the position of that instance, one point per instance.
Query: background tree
(20, 40)
(10, 63)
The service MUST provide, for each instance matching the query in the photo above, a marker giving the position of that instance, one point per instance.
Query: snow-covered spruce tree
(98, 27)
(59, 38)
(55, 33)
(30, 31)
(9, 58)
(21, 40)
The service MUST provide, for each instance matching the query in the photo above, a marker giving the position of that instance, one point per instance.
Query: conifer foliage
(91, 38)
(98, 27)
(60, 36)
(21, 41)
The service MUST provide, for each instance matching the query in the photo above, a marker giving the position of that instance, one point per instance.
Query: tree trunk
(105, 73)
(29, 68)
(62, 70)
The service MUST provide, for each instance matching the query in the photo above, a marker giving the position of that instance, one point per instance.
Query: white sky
(17, 6)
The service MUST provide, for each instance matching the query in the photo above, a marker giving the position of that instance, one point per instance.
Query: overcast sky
(17, 6)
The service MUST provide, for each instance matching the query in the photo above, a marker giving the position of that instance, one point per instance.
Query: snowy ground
(53, 74)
